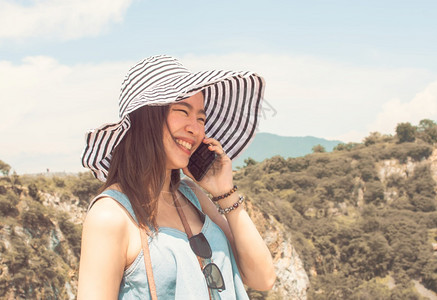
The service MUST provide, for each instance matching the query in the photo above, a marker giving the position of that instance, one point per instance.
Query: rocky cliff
(292, 281)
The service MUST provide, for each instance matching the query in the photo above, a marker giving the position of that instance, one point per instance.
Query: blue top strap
(123, 200)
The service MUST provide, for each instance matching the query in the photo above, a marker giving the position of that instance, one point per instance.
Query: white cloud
(47, 108)
(64, 19)
(422, 106)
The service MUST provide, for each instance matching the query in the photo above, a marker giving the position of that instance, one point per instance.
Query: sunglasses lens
(200, 246)
(214, 277)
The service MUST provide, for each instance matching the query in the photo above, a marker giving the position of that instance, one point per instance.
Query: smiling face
(185, 132)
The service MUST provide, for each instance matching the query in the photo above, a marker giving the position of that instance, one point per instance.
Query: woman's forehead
(195, 102)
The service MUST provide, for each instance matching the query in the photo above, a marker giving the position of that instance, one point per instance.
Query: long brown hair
(138, 163)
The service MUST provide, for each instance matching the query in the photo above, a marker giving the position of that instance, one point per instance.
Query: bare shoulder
(105, 239)
(106, 215)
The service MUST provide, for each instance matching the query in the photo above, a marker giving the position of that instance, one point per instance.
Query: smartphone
(200, 161)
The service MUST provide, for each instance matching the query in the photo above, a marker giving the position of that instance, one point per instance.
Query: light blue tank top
(175, 267)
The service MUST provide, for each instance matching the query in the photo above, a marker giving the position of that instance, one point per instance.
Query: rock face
(391, 167)
(292, 281)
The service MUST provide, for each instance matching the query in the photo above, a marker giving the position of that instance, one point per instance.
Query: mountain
(266, 145)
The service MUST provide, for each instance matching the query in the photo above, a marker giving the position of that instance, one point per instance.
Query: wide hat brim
(232, 104)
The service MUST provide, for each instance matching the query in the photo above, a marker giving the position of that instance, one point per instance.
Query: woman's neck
(166, 186)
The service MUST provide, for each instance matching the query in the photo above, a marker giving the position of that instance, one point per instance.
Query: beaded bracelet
(232, 207)
(225, 195)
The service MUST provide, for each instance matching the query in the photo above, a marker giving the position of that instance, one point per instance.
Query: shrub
(373, 138)
(395, 180)
(33, 191)
(303, 181)
(36, 218)
(275, 164)
(72, 233)
(429, 274)
(345, 147)
(423, 203)
(406, 132)
(372, 290)
(4, 168)
(367, 170)
(6, 208)
(319, 171)
(85, 186)
(8, 202)
(374, 192)
(318, 149)
(421, 183)
(427, 131)
(59, 182)
(417, 152)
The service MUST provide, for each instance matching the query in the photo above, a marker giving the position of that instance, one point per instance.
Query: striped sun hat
(232, 104)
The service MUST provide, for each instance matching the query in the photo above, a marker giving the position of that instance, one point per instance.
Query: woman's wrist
(225, 209)
(224, 195)
(222, 190)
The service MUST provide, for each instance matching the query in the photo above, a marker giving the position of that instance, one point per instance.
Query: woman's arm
(103, 252)
(251, 253)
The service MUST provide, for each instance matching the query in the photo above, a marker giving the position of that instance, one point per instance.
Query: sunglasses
(211, 271)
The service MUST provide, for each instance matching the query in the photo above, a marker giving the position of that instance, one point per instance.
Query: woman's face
(185, 132)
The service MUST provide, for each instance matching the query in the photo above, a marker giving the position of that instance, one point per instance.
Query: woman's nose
(194, 127)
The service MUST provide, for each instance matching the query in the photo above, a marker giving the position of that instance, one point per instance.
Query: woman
(166, 113)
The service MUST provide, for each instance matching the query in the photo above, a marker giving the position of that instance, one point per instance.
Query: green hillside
(363, 219)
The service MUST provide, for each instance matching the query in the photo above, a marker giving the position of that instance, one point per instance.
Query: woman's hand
(218, 179)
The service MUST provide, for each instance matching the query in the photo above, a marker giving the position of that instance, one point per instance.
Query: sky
(334, 69)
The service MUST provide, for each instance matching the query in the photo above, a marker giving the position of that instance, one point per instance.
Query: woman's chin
(178, 165)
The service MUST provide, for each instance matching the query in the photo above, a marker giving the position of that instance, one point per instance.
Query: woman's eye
(201, 120)
(183, 111)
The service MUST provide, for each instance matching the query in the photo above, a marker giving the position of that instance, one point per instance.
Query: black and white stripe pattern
(232, 105)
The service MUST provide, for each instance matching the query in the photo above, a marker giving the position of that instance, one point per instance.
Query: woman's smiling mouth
(188, 146)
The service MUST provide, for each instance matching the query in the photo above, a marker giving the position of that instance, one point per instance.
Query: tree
(8, 203)
(374, 192)
(249, 162)
(420, 187)
(429, 274)
(85, 186)
(366, 256)
(33, 191)
(372, 290)
(318, 149)
(406, 132)
(427, 131)
(345, 147)
(373, 138)
(4, 168)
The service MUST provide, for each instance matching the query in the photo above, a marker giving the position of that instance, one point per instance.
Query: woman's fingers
(215, 146)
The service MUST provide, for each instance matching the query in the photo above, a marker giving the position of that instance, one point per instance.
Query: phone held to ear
(200, 161)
